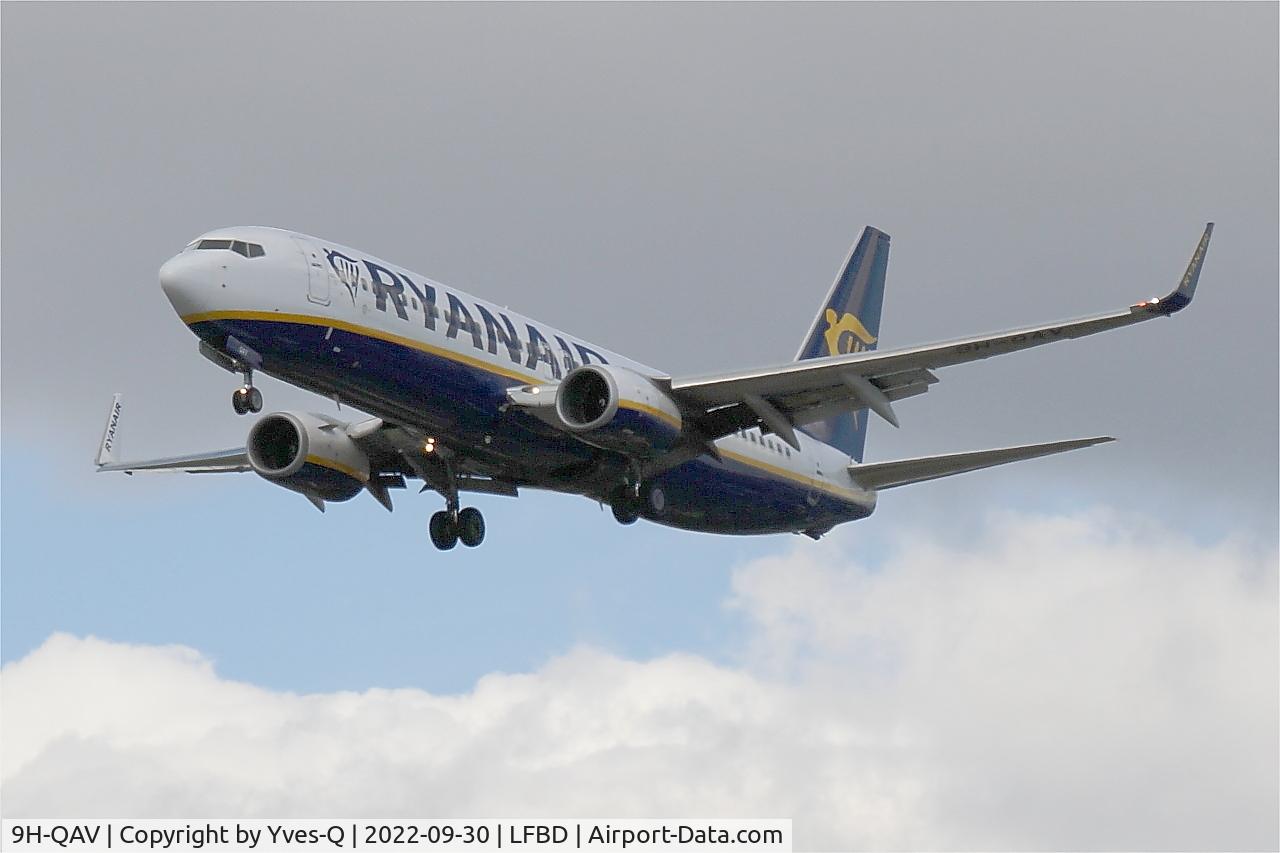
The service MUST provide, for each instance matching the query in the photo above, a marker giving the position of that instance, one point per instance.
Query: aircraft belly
(459, 402)
(463, 403)
(736, 498)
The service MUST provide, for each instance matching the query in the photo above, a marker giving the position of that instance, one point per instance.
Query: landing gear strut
(247, 398)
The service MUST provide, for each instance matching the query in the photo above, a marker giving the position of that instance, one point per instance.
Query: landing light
(429, 445)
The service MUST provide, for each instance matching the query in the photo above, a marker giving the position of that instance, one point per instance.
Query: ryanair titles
(492, 330)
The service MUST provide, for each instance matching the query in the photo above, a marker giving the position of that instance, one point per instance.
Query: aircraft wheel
(626, 509)
(255, 400)
(653, 499)
(240, 400)
(444, 530)
(471, 527)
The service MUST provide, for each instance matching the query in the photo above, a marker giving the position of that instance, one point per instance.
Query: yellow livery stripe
(337, 466)
(651, 411)
(328, 322)
(811, 482)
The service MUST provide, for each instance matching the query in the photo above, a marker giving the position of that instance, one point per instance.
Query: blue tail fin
(849, 321)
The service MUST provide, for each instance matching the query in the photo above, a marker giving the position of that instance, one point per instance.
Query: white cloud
(1058, 682)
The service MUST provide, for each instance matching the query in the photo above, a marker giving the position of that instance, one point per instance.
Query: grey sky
(678, 183)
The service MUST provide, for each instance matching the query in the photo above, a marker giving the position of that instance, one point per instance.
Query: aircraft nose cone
(183, 279)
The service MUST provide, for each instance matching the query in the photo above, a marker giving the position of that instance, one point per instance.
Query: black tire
(255, 400)
(471, 527)
(653, 499)
(626, 509)
(444, 530)
(240, 401)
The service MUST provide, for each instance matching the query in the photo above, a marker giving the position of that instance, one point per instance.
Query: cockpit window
(249, 250)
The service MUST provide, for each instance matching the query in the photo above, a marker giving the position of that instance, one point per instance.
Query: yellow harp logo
(846, 334)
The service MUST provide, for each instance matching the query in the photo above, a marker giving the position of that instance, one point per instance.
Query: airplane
(468, 396)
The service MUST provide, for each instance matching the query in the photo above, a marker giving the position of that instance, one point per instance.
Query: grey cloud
(678, 183)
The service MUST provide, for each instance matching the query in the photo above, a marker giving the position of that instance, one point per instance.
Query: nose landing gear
(247, 398)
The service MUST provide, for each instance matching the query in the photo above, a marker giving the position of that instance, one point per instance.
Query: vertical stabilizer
(849, 321)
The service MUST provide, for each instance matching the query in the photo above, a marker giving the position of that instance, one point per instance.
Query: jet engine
(308, 454)
(618, 409)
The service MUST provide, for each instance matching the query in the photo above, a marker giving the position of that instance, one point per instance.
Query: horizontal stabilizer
(886, 475)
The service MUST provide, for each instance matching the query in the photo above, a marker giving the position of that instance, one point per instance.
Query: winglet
(1181, 297)
(107, 449)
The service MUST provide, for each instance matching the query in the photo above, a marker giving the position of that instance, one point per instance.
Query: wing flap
(887, 475)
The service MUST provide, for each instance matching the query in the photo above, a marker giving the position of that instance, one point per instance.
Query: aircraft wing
(214, 462)
(218, 462)
(387, 446)
(801, 392)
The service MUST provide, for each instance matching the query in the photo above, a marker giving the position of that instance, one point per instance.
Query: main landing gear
(453, 524)
(247, 398)
(449, 527)
(630, 501)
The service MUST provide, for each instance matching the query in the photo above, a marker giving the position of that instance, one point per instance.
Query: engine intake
(587, 399)
(618, 409)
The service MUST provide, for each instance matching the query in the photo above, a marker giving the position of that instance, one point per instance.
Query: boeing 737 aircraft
(470, 397)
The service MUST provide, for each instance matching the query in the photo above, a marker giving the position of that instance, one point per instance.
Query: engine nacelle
(617, 409)
(308, 454)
